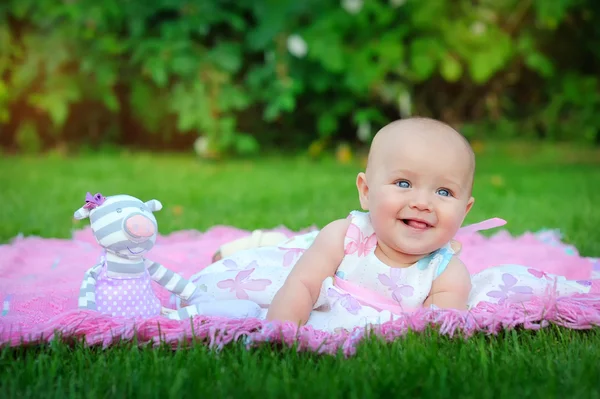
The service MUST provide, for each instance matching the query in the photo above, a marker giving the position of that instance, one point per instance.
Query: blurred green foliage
(281, 72)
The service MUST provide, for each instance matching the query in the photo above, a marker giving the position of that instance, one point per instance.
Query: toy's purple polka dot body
(123, 305)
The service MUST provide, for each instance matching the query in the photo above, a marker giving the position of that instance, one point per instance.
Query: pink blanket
(40, 279)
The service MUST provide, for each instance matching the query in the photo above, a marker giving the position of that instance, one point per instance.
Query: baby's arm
(451, 289)
(295, 299)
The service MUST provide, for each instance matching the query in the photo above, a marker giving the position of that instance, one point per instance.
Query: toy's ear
(81, 213)
(154, 205)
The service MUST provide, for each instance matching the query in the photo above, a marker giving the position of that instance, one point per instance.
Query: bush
(280, 72)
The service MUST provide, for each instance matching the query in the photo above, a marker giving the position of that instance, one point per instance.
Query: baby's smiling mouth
(416, 224)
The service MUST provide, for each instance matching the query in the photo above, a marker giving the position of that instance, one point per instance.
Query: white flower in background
(352, 6)
(364, 131)
(297, 46)
(201, 146)
(405, 104)
(397, 3)
(478, 28)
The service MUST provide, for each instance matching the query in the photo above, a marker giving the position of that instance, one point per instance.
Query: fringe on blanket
(574, 312)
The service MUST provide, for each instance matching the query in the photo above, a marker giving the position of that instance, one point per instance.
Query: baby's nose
(421, 202)
(139, 226)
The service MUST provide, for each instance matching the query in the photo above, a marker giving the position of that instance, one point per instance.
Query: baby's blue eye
(403, 184)
(443, 192)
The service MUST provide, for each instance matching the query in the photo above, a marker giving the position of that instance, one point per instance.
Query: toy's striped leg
(87, 292)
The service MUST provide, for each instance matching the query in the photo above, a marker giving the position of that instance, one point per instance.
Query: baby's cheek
(450, 224)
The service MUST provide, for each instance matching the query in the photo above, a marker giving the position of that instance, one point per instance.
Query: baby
(397, 256)
(417, 189)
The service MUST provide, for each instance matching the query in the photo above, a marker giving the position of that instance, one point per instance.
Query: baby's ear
(81, 213)
(154, 205)
(363, 190)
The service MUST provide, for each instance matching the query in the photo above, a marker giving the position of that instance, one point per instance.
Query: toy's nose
(139, 226)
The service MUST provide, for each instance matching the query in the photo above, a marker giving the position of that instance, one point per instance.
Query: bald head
(422, 133)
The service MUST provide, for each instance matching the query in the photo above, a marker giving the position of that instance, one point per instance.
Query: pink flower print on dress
(509, 292)
(538, 273)
(398, 290)
(243, 283)
(360, 244)
(346, 300)
(233, 265)
(290, 255)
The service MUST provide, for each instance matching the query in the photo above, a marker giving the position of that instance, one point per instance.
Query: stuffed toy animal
(120, 283)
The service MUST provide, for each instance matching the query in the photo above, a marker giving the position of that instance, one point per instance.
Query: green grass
(550, 363)
(532, 187)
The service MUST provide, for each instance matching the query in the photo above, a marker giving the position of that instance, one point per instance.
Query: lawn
(533, 187)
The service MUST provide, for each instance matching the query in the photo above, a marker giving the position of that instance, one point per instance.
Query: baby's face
(419, 192)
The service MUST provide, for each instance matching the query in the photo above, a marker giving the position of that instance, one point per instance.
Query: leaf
(27, 137)
(552, 13)
(488, 60)
(525, 43)
(110, 100)
(136, 26)
(271, 19)
(24, 74)
(246, 144)
(146, 105)
(60, 93)
(271, 112)
(424, 14)
(3, 91)
(20, 8)
(424, 56)
(106, 74)
(232, 98)
(184, 65)
(227, 125)
(283, 102)
(4, 115)
(326, 47)
(58, 111)
(480, 68)
(371, 114)
(540, 63)
(390, 49)
(111, 45)
(191, 105)
(327, 124)
(450, 68)
(227, 56)
(157, 70)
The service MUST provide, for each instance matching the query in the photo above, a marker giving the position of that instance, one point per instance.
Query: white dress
(365, 290)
